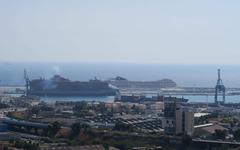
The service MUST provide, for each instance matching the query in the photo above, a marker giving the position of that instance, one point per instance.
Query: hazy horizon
(138, 31)
(186, 41)
(183, 75)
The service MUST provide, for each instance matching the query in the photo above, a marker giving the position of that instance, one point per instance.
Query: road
(216, 142)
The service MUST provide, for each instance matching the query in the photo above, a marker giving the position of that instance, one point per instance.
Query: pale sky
(139, 31)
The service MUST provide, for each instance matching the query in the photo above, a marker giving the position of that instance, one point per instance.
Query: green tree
(236, 135)
(186, 142)
(35, 110)
(221, 134)
(53, 128)
(26, 145)
(76, 127)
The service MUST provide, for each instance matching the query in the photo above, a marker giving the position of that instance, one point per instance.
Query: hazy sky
(201, 32)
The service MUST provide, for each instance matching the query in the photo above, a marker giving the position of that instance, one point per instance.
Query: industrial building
(177, 120)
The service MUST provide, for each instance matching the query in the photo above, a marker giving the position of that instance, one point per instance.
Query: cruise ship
(124, 84)
(60, 86)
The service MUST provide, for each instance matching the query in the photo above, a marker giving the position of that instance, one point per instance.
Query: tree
(75, 129)
(26, 145)
(56, 126)
(78, 128)
(53, 128)
(186, 140)
(221, 134)
(236, 135)
(35, 110)
(2, 105)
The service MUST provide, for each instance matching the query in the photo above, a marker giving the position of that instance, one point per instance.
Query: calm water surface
(78, 98)
(209, 99)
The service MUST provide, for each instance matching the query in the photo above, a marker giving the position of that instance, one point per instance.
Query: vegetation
(236, 135)
(220, 134)
(26, 145)
(205, 119)
(77, 128)
(82, 109)
(34, 110)
(53, 129)
(37, 109)
(2, 106)
(186, 142)
(18, 115)
(120, 141)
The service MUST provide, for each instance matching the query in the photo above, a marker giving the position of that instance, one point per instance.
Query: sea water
(184, 75)
(191, 98)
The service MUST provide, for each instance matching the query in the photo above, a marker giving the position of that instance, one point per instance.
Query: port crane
(219, 88)
(27, 84)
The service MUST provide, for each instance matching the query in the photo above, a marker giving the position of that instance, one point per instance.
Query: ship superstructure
(123, 83)
(59, 86)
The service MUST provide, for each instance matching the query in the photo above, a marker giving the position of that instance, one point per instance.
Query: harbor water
(191, 98)
(78, 98)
